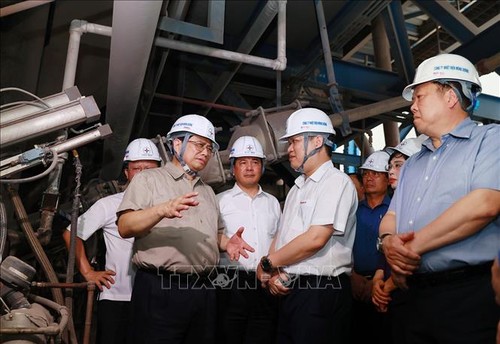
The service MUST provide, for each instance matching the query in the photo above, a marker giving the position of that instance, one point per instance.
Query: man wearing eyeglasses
(367, 323)
(175, 219)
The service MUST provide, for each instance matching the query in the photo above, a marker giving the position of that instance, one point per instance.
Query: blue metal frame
(366, 79)
(456, 24)
(489, 108)
(346, 159)
(398, 37)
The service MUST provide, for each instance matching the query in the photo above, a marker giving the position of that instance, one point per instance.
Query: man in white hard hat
(113, 307)
(246, 310)
(175, 219)
(310, 258)
(367, 324)
(442, 230)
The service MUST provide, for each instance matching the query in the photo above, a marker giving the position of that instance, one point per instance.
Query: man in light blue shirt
(444, 212)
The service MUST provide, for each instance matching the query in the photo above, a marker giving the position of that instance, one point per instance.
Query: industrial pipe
(21, 6)
(76, 30)
(77, 111)
(278, 64)
(22, 112)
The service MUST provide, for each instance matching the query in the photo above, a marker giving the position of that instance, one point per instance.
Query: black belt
(433, 279)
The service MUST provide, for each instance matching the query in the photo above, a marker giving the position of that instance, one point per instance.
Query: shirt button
(426, 178)
(418, 199)
(410, 222)
(434, 157)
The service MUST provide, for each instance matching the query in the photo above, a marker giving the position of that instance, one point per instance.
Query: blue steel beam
(489, 108)
(346, 159)
(343, 22)
(398, 38)
(454, 22)
(364, 79)
(482, 46)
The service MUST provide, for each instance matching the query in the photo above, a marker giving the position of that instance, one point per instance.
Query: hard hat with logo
(193, 124)
(447, 67)
(141, 149)
(308, 120)
(377, 161)
(409, 146)
(246, 146)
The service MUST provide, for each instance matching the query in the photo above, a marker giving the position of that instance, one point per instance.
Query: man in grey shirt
(175, 219)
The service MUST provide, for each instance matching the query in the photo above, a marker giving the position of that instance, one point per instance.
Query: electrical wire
(25, 92)
(55, 159)
(3, 228)
(23, 102)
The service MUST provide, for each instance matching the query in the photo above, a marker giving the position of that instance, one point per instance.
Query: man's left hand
(236, 246)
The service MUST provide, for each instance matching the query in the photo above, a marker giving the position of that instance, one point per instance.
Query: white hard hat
(141, 149)
(308, 120)
(246, 146)
(194, 124)
(446, 67)
(377, 161)
(409, 146)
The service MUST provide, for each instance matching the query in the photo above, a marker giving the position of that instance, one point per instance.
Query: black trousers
(246, 312)
(368, 325)
(317, 310)
(455, 312)
(112, 321)
(172, 309)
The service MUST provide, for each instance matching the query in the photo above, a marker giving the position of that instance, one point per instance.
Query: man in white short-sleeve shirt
(310, 259)
(246, 310)
(114, 299)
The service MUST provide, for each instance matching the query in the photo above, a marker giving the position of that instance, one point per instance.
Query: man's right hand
(174, 207)
(100, 278)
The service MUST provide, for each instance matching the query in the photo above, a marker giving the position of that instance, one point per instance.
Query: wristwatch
(266, 264)
(380, 241)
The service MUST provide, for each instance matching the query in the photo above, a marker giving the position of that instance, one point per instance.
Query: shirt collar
(237, 190)
(177, 172)
(463, 130)
(386, 201)
(316, 176)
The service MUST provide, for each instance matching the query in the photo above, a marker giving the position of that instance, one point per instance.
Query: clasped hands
(276, 282)
(401, 257)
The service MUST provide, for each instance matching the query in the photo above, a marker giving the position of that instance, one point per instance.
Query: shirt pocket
(306, 209)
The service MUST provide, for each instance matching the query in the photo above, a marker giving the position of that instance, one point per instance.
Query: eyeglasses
(396, 166)
(200, 147)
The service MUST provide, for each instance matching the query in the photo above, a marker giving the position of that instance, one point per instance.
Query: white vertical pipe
(72, 56)
(281, 36)
(76, 30)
